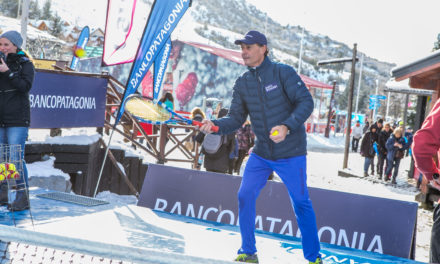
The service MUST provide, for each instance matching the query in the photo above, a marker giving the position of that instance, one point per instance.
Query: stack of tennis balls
(8, 171)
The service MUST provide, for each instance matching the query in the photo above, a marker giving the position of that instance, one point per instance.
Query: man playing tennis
(278, 103)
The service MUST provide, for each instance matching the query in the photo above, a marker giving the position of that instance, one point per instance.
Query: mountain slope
(238, 16)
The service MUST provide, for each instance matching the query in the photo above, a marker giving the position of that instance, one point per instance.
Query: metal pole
(377, 101)
(24, 21)
(327, 128)
(103, 162)
(359, 84)
(300, 51)
(388, 106)
(350, 103)
(405, 110)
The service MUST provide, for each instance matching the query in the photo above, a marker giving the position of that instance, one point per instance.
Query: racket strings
(147, 110)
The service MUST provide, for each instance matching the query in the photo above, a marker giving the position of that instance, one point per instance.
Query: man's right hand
(207, 125)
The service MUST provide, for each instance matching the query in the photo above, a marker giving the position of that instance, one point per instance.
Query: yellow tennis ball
(275, 133)
(2, 168)
(79, 52)
(10, 167)
(13, 175)
(2, 177)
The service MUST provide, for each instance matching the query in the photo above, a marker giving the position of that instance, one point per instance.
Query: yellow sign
(48, 64)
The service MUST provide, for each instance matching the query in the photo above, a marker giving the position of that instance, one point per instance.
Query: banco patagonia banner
(362, 222)
(67, 100)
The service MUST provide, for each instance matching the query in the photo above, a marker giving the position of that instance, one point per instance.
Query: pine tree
(9, 8)
(34, 10)
(57, 25)
(47, 12)
(437, 43)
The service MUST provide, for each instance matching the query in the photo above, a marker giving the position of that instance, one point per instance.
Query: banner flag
(160, 65)
(164, 17)
(126, 20)
(78, 50)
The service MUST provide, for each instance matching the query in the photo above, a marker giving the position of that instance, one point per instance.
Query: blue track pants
(292, 171)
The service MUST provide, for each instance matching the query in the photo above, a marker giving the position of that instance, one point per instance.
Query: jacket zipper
(260, 89)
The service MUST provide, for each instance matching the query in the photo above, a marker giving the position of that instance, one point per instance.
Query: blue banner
(163, 19)
(67, 100)
(373, 224)
(81, 43)
(160, 65)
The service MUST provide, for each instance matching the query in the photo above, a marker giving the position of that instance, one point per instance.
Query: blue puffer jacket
(392, 149)
(259, 93)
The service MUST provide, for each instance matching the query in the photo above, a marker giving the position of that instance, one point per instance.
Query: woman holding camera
(16, 78)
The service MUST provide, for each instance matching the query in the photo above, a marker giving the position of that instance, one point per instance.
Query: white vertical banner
(125, 23)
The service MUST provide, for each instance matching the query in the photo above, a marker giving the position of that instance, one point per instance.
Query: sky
(395, 31)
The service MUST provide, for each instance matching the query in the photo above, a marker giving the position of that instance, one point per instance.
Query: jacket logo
(270, 87)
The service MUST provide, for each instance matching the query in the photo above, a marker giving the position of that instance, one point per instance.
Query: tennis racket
(145, 110)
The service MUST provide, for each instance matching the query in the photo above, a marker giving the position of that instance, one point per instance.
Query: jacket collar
(266, 62)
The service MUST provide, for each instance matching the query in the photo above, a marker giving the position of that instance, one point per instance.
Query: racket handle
(199, 124)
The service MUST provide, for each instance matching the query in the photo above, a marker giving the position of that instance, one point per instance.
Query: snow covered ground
(325, 158)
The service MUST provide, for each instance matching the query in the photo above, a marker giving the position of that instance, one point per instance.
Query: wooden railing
(154, 144)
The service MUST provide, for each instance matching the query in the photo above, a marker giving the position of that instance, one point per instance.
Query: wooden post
(162, 143)
(350, 106)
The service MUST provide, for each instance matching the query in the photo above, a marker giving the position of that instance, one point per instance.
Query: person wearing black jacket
(384, 134)
(367, 149)
(378, 125)
(16, 78)
(219, 161)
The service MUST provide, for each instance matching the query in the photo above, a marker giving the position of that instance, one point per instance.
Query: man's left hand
(280, 135)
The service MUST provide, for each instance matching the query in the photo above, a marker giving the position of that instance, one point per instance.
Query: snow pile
(45, 169)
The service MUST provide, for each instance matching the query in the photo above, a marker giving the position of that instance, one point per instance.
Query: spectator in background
(396, 146)
(16, 78)
(426, 154)
(246, 139)
(218, 161)
(233, 155)
(357, 134)
(216, 111)
(367, 149)
(409, 137)
(196, 115)
(168, 99)
(384, 134)
(366, 127)
(209, 110)
(378, 125)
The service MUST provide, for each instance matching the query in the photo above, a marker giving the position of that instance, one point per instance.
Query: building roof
(235, 56)
(422, 67)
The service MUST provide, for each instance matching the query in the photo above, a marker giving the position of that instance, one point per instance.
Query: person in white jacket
(357, 135)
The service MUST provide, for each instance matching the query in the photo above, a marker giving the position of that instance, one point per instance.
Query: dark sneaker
(247, 258)
(393, 181)
(365, 174)
(20, 203)
(4, 194)
(317, 261)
